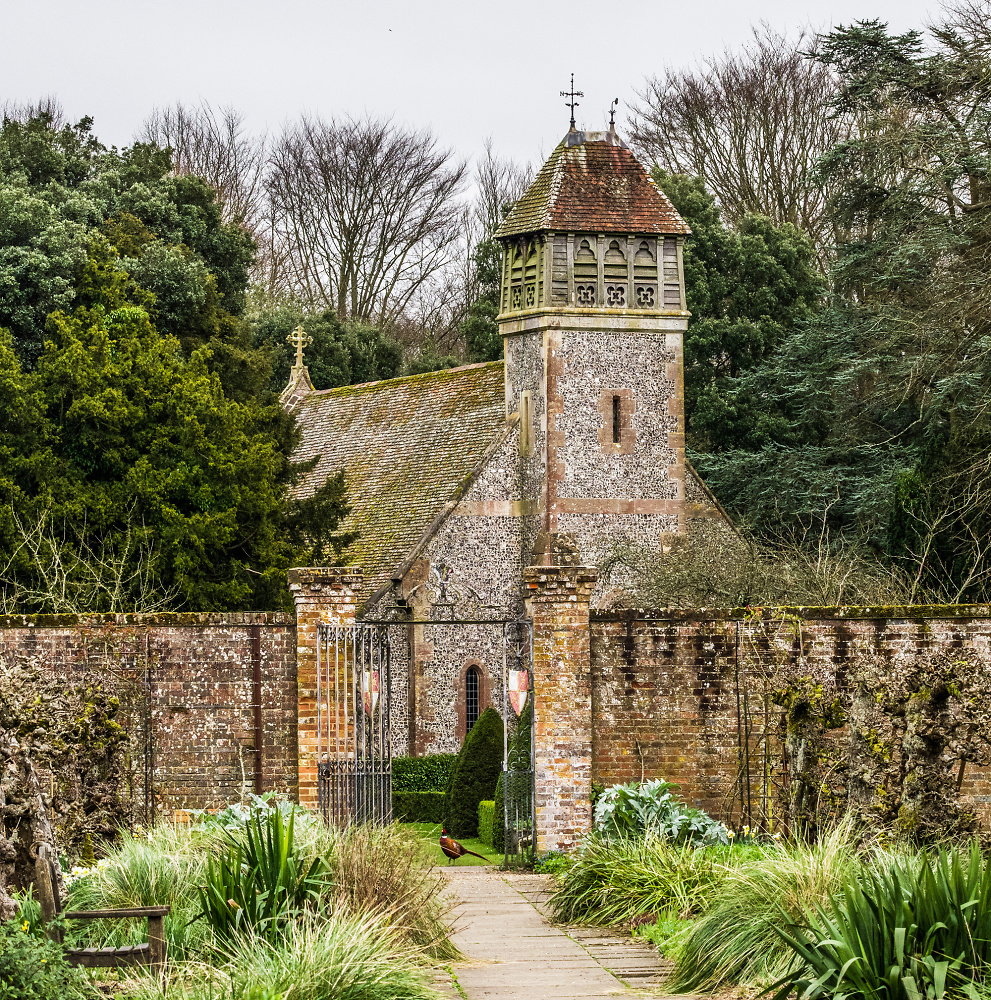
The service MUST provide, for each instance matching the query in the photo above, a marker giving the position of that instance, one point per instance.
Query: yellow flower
(25, 926)
(730, 834)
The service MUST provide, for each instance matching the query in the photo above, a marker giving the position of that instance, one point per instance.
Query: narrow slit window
(524, 423)
(617, 423)
(471, 698)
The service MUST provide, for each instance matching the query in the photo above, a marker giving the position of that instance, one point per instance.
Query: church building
(574, 444)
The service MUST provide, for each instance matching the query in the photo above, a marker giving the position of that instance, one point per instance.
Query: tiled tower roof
(593, 183)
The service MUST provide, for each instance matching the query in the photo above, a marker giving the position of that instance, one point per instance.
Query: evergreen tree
(340, 353)
(479, 329)
(59, 184)
(746, 288)
(475, 774)
(141, 473)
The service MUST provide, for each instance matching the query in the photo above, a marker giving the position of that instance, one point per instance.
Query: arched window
(471, 697)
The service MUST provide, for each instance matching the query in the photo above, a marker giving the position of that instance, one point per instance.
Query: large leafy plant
(633, 811)
(259, 879)
(916, 931)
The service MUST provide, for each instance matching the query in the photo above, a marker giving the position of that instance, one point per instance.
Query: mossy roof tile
(593, 183)
(407, 445)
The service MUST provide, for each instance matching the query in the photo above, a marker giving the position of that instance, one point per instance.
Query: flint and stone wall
(188, 682)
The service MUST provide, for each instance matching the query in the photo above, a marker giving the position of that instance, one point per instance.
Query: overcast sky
(465, 70)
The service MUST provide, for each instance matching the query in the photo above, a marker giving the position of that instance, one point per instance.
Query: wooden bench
(152, 953)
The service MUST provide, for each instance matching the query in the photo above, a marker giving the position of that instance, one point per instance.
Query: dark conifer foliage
(475, 774)
(144, 463)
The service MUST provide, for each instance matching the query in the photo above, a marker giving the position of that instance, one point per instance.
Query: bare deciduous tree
(499, 184)
(950, 549)
(216, 146)
(713, 567)
(75, 573)
(21, 111)
(367, 214)
(752, 124)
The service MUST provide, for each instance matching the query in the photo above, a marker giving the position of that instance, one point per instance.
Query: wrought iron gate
(354, 750)
(354, 747)
(518, 772)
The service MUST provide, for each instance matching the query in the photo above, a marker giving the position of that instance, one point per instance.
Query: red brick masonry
(197, 670)
(620, 696)
(665, 685)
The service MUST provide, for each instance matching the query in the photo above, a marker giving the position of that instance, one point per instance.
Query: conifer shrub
(499, 815)
(486, 808)
(475, 774)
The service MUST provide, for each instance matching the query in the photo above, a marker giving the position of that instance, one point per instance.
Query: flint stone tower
(593, 317)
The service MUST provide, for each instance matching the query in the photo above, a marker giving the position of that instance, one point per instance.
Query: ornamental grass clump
(614, 881)
(735, 940)
(159, 868)
(345, 956)
(385, 870)
(918, 930)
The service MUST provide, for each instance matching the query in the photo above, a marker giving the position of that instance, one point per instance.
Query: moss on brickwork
(888, 715)
(921, 612)
(164, 619)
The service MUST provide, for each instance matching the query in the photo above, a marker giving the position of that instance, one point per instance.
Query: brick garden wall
(673, 695)
(195, 673)
(676, 695)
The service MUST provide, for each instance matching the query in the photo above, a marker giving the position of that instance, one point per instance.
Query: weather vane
(572, 103)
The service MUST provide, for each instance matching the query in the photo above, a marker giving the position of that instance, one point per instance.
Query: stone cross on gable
(299, 338)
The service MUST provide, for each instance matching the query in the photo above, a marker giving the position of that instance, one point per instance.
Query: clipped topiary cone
(476, 771)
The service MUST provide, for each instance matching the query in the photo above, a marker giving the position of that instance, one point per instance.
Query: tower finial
(612, 115)
(572, 103)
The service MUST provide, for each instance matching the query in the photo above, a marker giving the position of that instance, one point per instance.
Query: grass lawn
(430, 832)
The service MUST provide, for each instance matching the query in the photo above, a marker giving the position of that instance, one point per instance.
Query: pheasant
(454, 850)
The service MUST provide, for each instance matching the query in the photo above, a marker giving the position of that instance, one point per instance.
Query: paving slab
(513, 950)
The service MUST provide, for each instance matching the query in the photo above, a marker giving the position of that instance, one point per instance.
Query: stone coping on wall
(769, 613)
(167, 619)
